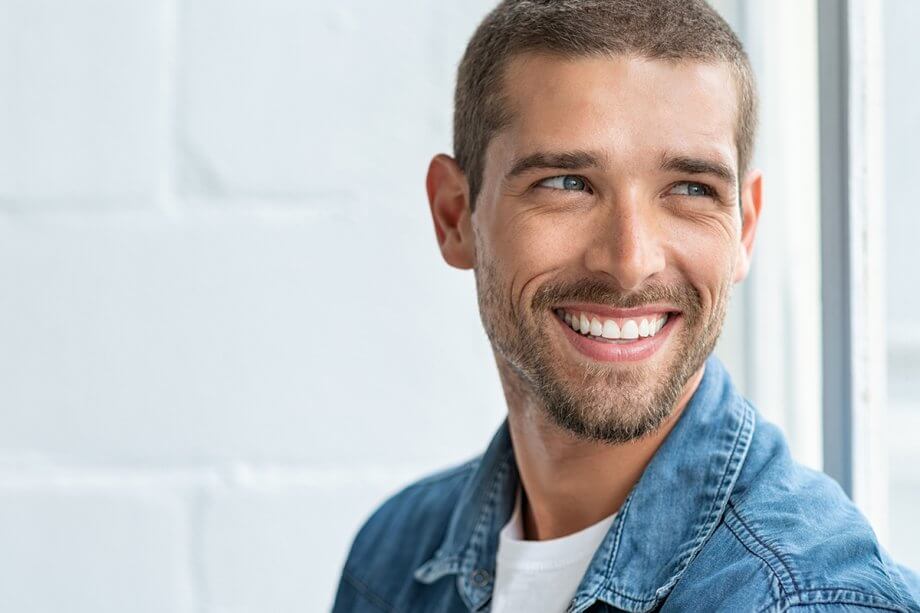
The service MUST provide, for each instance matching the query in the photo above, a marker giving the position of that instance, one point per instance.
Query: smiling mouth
(616, 330)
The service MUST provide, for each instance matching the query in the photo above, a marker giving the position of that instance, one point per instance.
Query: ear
(751, 200)
(448, 198)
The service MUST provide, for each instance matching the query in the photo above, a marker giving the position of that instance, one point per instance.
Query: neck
(570, 483)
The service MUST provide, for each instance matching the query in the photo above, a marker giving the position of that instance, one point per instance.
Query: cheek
(710, 233)
(704, 254)
(528, 245)
(539, 233)
(707, 255)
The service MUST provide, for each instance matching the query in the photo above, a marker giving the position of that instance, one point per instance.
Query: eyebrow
(568, 160)
(581, 159)
(699, 166)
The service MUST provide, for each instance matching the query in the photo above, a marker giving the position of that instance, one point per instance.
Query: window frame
(852, 257)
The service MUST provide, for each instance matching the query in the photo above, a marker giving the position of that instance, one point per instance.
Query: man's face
(608, 236)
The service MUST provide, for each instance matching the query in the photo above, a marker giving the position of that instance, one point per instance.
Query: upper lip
(612, 312)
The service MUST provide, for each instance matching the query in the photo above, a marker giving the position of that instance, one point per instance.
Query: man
(602, 194)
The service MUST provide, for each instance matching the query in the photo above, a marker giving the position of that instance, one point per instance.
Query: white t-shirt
(541, 576)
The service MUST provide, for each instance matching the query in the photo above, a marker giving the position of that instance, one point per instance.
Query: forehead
(633, 109)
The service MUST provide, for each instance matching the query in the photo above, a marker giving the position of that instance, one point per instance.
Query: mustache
(683, 296)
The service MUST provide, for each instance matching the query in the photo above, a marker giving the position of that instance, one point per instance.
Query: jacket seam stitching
(762, 559)
(875, 602)
(362, 589)
(763, 544)
(876, 597)
(861, 605)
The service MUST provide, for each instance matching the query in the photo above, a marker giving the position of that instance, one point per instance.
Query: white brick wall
(80, 105)
(90, 548)
(225, 330)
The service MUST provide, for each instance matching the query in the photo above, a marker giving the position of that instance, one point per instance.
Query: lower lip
(613, 351)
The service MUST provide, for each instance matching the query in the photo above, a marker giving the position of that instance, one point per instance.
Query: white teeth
(611, 329)
(630, 330)
(661, 322)
(596, 327)
(643, 328)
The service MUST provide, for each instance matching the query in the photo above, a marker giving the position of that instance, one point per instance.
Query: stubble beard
(597, 402)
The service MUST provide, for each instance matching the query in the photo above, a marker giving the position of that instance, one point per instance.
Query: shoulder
(402, 534)
(794, 533)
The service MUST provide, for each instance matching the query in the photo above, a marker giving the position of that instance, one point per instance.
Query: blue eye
(565, 182)
(688, 188)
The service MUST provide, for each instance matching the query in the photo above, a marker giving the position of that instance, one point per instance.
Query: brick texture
(227, 333)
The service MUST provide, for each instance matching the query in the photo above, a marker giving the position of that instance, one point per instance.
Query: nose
(627, 244)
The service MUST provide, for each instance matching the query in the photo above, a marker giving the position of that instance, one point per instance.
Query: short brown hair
(656, 29)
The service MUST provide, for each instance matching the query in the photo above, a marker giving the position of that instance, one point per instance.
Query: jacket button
(481, 577)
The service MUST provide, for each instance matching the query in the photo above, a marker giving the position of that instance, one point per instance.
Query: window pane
(902, 134)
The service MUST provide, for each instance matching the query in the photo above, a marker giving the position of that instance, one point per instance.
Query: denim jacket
(722, 519)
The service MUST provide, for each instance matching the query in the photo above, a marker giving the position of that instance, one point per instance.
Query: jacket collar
(661, 526)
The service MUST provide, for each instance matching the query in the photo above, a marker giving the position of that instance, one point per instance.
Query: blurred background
(226, 333)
